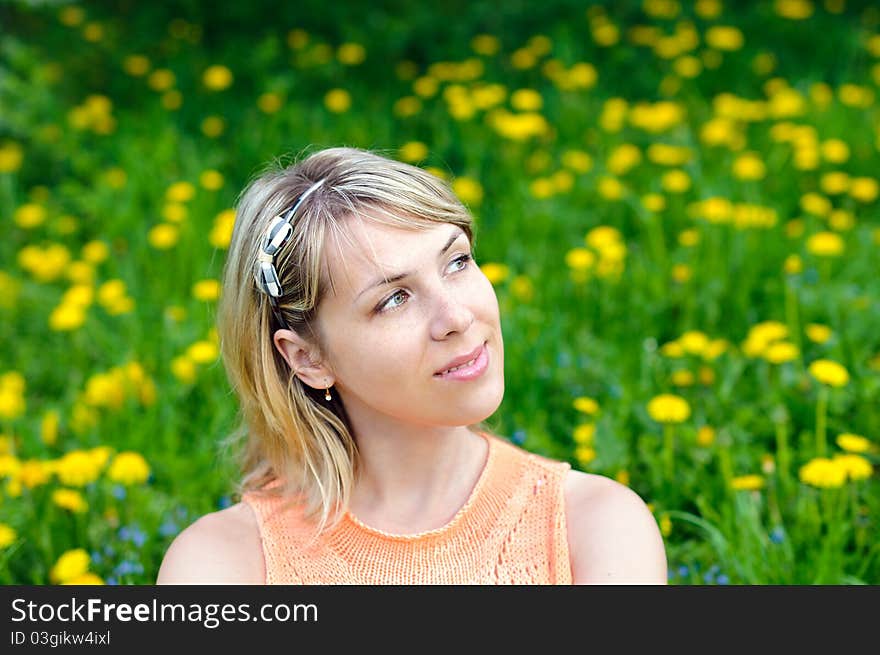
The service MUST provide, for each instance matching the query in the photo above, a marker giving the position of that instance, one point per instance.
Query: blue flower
(124, 533)
(168, 528)
(111, 580)
(96, 556)
(118, 492)
(224, 502)
(683, 571)
(518, 437)
(723, 579)
(777, 535)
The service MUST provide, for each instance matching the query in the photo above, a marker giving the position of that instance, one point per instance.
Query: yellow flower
(823, 473)
(7, 535)
(269, 103)
(485, 44)
(217, 78)
(610, 188)
(11, 157)
(49, 427)
(681, 272)
(586, 405)
(221, 232)
(71, 564)
(86, 578)
(834, 151)
(469, 190)
(584, 455)
(161, 79)
(577, 160)
(206, 290)
(583, 434)
(496, 273)
(213, 126)
(12, 405)
(407, 106)
(351, 54)
(337, 100)
(67, 317)
(211, 180)
(163, 236)
(676, 181)
(665, 524)
(817, 333)
(815, 203)
(580, 259)
(705, 436)
(136, 65)
(129, 468)
(749, 166)
(778, 353)
(413, 151)
(864, 189)
(856, 466)
(70, 499)
(30, 215)
(682, 378)
(834, 182)
(854, 443)
(526, 100)
(180, 192)
(794, 9)
(184, 369)
(829, 372)
(623, 158)
(174, 212)
(722, 37)
(522, 288)
(669, 408)
(747, 483)
(71, 15)
(793, 265)
(77, 469)
(826, 244)
(202, 352)
(654, 202)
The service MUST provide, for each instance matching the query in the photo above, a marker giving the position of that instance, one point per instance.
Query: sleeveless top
(511, 530)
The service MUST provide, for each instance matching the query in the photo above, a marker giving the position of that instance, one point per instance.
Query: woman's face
(386, 343)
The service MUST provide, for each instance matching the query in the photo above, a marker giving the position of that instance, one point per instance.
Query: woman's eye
(389, 305)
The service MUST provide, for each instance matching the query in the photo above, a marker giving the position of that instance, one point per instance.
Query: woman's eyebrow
(399, 276)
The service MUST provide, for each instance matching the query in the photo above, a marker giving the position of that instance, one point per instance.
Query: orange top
(511, 530)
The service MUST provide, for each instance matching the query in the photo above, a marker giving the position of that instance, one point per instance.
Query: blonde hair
(287, 431)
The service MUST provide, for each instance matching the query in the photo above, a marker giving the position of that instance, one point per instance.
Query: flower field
(678, 204)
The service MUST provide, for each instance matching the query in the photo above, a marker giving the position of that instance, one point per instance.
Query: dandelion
(184, 369)
(206, 290)
(29, 216)
(129, 468)
(829, 373)
(823, 473)
(749, 166)
(71, 564)
(469, 190)
(87, 578)
(70, 500)
(413, 151)
(747, 483)
(337, 100)
(854, 466)
(11, 157)
(202, 352)
(781, 352)
(269, 103)
(705, 436)
(586, 405)
(825, 244)
(854, 443)
(221, 232)
(496, 273)
(675, 181)
(136, 65)
(7, 535)
(217, 78)
(584, 455)
(726, 38)
(583, 434)
(161, 79)
(817, 333)
(351, 54)
(163, 236)
(864, 189)
(213, 126)
(669, 410)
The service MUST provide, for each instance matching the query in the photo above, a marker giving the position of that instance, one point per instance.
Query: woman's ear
(303, 358)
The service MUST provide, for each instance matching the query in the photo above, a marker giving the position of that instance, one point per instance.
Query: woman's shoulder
(222, 547)
(612, 534)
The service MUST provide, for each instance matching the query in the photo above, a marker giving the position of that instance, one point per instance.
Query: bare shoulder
(613, 537)
(222, 547)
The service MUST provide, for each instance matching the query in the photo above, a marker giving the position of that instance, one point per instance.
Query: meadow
(677, 203)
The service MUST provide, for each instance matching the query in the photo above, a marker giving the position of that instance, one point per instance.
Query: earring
(327, 394)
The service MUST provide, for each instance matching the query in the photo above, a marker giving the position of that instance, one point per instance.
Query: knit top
(511, 530)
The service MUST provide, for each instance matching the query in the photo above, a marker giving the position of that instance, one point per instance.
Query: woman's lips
(469, 371)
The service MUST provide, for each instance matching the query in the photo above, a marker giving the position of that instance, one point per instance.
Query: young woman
(364, 344)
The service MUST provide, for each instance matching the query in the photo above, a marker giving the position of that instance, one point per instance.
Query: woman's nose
(451, 316)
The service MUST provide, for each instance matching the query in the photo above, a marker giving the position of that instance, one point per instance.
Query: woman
(365, 346)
